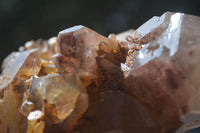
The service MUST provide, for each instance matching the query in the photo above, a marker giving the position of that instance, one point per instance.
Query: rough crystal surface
(16, 70)
(80, 44)
(164, 71)
(143, 80)
(58, 95)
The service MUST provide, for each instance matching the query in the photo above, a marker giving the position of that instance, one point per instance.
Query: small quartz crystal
(56, 95)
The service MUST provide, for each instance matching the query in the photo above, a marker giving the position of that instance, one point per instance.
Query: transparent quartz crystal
(80, 44)
(143, 80)
(57, 95)
(16, 70)
(164, 72)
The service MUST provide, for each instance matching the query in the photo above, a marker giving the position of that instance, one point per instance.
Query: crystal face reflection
(142, 81)
(168, 40)
(58, 95)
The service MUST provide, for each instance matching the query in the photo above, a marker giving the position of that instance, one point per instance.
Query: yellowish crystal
(23, 66)
(35, 122)
(56, 95)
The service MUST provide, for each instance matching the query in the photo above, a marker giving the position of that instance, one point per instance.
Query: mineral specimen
(18, 67)
(163, 73)
(79, 45)
(142, 81)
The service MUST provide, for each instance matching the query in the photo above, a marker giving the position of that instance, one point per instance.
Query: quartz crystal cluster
(142, 81)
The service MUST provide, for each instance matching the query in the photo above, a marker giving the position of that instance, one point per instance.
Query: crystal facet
(143, 80)
(58, 95)
(22, 66)
(80, 44)
(163, 73)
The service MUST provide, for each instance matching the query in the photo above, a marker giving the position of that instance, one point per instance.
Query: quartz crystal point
(79, 45)
(80, 107)
(57, 95)
(164, 73)
(18, 67)
(142, 81)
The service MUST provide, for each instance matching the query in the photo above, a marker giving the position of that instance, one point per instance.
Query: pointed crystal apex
(80, 44)
(153, 28)
(163, 73)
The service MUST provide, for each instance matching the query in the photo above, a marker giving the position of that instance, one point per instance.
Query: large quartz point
(18, 67)
(79, 47)
(90, 55)
(164, 73)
